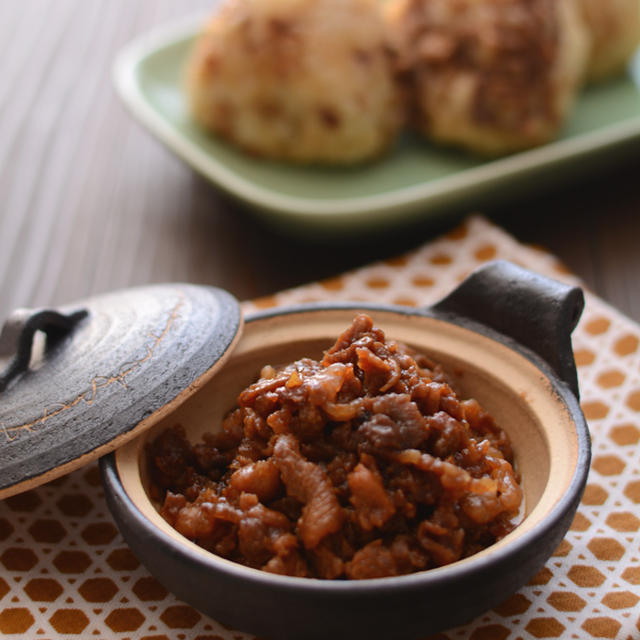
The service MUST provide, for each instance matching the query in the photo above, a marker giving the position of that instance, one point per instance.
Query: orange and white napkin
(66, 572)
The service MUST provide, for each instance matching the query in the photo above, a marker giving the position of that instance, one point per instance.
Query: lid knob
(18, 332)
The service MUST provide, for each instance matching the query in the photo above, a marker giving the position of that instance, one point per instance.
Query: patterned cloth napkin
(65, 571)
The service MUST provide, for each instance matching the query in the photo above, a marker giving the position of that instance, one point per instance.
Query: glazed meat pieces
(364, 464)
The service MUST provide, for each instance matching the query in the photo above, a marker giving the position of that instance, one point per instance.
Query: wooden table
(91, 202)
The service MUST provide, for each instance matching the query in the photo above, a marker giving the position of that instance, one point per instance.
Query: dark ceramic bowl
(504, 336)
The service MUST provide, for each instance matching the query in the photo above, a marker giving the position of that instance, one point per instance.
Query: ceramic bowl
(504, 337)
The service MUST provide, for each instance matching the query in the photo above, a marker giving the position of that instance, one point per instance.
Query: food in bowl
(492, 76)
(308, 81)
(362, 464)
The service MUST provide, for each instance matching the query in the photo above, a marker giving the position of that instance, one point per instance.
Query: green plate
(415, 180)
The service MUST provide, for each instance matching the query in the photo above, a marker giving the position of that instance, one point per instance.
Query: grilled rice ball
(493, 76)
(297, 80)
(614, 26)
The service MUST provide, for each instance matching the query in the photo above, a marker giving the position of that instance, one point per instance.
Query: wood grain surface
(89, 201)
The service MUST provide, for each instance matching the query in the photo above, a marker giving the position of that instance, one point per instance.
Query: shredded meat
(364, 464)
(372, 505)
(309, 484)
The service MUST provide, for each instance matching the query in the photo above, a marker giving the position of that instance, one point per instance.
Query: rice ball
(297, 80)
(493, 76)
(614, 26)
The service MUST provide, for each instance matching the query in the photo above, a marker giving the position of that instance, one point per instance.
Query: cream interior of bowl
(506, 384)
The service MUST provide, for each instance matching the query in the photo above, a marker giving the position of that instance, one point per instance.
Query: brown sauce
(364, 464)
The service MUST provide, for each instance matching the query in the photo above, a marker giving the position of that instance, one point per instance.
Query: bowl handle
(536, 311)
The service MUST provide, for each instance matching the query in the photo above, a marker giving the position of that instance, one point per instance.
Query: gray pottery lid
(110, 367)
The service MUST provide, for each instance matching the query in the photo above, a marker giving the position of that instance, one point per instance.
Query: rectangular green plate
(415, 180)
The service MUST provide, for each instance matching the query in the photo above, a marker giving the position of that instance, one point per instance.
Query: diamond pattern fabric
(66, 572)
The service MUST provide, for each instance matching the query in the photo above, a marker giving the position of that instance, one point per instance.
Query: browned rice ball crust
(614, 27)
(297, 80)
(493, 76)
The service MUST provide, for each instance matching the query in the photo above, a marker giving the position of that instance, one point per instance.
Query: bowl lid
(84, 379)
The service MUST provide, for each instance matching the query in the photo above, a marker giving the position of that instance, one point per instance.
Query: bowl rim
(445, 575)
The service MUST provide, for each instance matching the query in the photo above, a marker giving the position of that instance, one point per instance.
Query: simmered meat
(364, 464)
